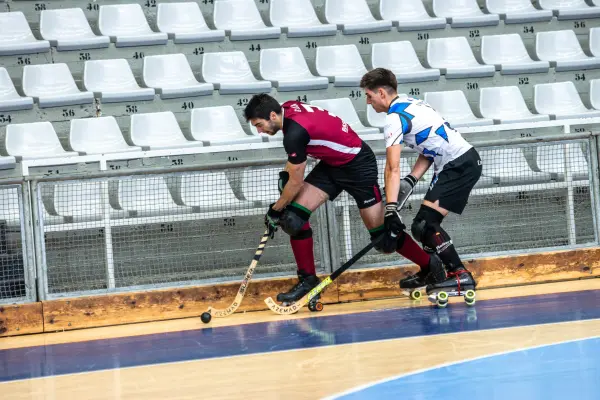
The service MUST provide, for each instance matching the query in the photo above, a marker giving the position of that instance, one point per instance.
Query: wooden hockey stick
(220, 313)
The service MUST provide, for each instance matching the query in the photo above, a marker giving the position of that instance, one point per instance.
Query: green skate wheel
(470, 296)
(415, 295)
(442, 296)
(442, 303)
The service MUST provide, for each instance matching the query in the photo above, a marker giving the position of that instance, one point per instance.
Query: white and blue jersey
(414, 123)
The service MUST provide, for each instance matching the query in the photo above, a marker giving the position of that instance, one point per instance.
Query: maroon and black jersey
(312, 131)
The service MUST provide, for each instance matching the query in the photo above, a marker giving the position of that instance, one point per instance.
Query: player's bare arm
(293, 186)
(392, 173)
(421, 166)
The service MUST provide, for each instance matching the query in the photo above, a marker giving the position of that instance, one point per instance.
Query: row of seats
(126, 24)
(286, 69)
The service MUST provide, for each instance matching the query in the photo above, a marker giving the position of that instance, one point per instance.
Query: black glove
(394, 227)
(407, 184)
(272, 218)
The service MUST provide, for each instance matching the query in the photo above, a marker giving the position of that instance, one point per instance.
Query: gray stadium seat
(570, 9)
(454, 107)
(33, 141)
(344, 109)
(231, 73)
(127, 26)
(98, 136)
(506, 105)
(409, 15)
(219, 126)
(518, 11)
(208, 192)
(287, 70)
(242, 21)
(172, 77)
(184, 23)
(509, 55)
(68, 29)
(454, 57)
(342, 64)
(563, 51)
(158, 131)
(298, 19)
(509, 166)
(113, 81)
(145, 197)
(561, 101)
(354, 16)
(10, 100)
(551, 159)
(16, 36)
(52, 85)
(463, 13)
(402, 60)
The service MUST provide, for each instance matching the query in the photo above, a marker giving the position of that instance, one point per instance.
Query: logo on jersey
(296, 108)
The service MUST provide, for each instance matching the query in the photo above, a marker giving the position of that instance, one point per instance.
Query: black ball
(206, 317)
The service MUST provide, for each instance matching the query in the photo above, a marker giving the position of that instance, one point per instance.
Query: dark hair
(261, 106)
(379, 78)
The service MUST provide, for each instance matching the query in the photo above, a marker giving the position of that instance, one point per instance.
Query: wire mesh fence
(13, 285)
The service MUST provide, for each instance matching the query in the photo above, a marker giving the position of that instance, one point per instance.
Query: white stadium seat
(158, 131)
(52, 85)
(509, 166)
(595, 93)
(344, 109)
(454, 57)
(127, 26)
(506, 105)
(145, 197)
(259, 185)
(594, 41)
(81, 201)
(231, 73)
(298, 19)
(68, 29)
(453, 106)
(402, 60)
(518, 11)
(242, 21)
(376, 119)
(113, 81)
(509, 55)
(354, 16)
(561, 101)
(16, 36)
(10, 100)
(172, 77)
(98, 136)
(570, 9)
(463, 13)
(552, 159)
(208, 192)
(409, 15)
(563, 50)
(33, 141)
(286, 68)
(184, 23)
(219, 126)
(341, 64)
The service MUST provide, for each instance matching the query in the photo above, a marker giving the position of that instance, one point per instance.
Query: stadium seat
(509, 55)
(287, 70)
(402, 60)
(80, 201)
(518, 11)
(16, 36)
(158, 131)
(259, 185)
(113, 81)
(343, 64)
(10, 100)
(594, 41)
(68, 29)
(563, 51)
(230, 73)
(453, 106)
(454, 57)
(354, 16)
(552, 159)
(52, 85)
(208, 192)
(219, 126)
(509, 166)
(184, 23)
(376, 119)
(33, 141)
(561, 101)
(506, 105)
(463, 13)
(344, 109)
(98, 136)
(10, 211)
(172, 77)
(242, 21)
(298, 19)
(145, 197)
(127, 26)
(409, 15)
(595, 93)
(570, 9)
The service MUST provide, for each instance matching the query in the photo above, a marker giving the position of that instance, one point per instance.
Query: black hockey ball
(206, 317)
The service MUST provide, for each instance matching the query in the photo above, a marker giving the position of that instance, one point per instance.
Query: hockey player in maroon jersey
(346, 163)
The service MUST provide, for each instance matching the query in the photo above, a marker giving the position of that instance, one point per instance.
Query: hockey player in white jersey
(457, 168)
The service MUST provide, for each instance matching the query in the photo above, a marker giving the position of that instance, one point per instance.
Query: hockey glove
(407, 184)
(272, 220)
(394, 227)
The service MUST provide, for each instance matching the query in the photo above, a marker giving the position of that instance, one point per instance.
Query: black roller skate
(305, 284)
(411, 286)
(460, 282)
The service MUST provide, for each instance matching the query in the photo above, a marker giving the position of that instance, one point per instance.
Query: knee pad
(292, 221)
(426, 223)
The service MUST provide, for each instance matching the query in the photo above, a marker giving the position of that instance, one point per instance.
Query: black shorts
(453, 185)
(358, 178)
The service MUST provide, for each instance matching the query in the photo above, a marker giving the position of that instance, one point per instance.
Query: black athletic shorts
(453, 185)
(357, 177)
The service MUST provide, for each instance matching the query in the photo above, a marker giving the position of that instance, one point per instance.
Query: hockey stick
(219, 313)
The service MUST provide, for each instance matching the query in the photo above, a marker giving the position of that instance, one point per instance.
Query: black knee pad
(292, 221)
(426, 223)
(303, 234)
